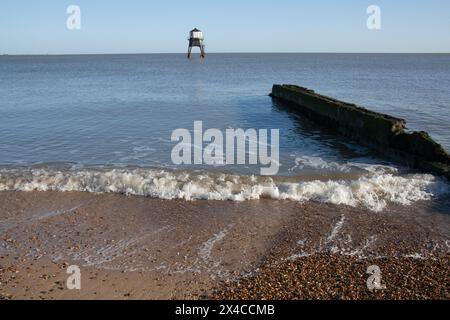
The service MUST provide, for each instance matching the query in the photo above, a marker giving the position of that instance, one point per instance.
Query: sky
(148, 26)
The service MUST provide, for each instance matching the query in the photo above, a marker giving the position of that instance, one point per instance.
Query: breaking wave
(374, 189)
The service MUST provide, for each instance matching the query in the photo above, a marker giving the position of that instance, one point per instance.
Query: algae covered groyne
(382, 132)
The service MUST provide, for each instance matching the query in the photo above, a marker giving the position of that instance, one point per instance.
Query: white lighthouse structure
(196, 39)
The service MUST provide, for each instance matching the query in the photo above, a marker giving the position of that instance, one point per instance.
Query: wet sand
(144, 248)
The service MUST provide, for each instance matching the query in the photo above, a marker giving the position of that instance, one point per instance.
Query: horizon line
(236, 52)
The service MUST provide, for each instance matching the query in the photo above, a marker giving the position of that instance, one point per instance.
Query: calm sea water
(120, 110)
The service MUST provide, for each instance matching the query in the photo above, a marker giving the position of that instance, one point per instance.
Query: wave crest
(373, 190)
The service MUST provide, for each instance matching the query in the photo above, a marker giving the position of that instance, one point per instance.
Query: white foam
(336, 229)
(318, 163)
(373, 190)
(206, 248)
(309, 162)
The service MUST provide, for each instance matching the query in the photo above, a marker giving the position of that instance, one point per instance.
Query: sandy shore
(143, 248)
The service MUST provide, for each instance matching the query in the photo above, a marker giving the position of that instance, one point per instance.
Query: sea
(103, 123)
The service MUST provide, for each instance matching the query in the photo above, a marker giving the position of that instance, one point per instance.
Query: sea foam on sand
(373, 189)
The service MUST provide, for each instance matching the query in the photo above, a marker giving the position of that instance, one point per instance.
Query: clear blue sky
(147, 26)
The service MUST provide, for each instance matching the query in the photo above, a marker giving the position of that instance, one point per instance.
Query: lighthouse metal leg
(202, 50)
(189, 52)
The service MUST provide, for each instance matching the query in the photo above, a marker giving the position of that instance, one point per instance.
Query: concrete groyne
(382, 132)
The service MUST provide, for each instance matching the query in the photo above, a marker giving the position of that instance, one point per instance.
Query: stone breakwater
(382, 132)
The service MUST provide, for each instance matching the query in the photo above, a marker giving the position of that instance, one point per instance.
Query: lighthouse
(196, 40)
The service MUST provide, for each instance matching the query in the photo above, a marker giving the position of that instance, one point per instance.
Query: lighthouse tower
(196, 40)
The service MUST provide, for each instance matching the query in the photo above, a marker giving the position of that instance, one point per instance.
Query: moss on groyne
(380, 131)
